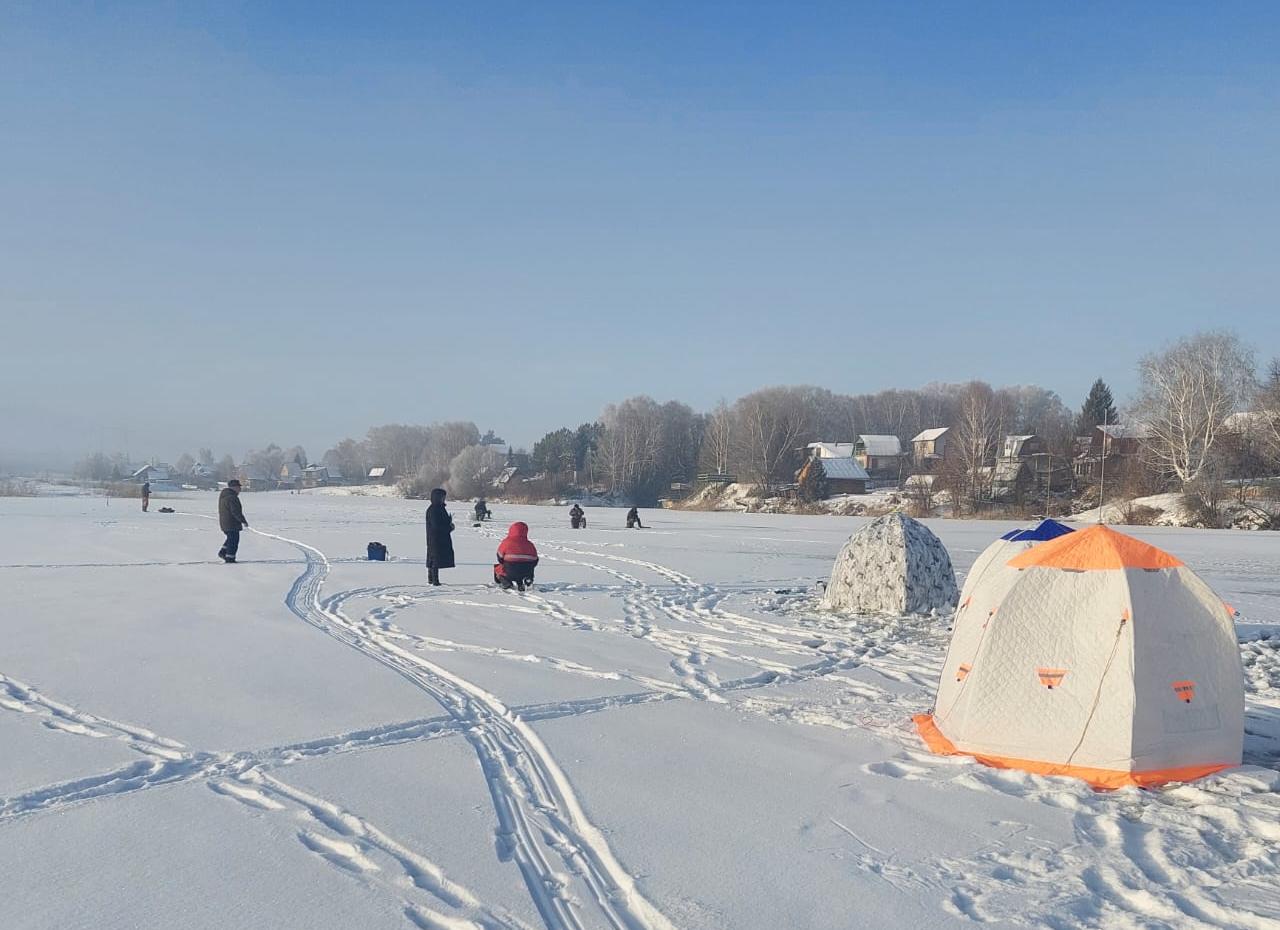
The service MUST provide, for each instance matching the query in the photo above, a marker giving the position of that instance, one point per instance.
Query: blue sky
(231, 224)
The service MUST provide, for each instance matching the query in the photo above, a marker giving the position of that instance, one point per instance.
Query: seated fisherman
(517, 557)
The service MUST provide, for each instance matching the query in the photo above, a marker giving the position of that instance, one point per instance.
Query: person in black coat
(230, 519)
(633, 519)
(439, 537)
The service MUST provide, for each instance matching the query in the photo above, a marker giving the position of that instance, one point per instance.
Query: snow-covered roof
(1124, 430)
(1245, 420)
(929, 435)
(378, 471)
(506, 476)
(831, 450)
(153, 473)
(880, 445)
(843, 469)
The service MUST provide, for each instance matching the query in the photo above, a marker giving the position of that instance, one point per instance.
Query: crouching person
(517, 558)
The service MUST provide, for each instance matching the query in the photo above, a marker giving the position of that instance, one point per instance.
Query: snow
(667, 732)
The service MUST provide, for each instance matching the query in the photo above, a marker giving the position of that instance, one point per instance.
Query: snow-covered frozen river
(665, 733)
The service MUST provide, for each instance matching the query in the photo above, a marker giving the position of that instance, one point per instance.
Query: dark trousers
(231, 545)
(433, 575)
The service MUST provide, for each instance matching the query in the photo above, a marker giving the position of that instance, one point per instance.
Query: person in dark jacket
(482, 510)
(230, 519)
(517, 558)
(439, 537)
(633, 519)
(577, 517)
(146, 495)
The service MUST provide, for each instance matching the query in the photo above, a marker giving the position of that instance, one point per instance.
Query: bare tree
(976, 438)
(1186, 394)
(771, 424)
(717, 446)
(348, 459)
(629, 451)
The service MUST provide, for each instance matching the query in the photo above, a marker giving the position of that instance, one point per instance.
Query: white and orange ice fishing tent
(1106, 659)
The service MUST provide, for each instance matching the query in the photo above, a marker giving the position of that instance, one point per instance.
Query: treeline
(453, 455)
(1187, 407)
(640, 447)
(1202, 412)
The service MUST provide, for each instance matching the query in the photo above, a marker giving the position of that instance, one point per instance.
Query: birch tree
(1186, 394)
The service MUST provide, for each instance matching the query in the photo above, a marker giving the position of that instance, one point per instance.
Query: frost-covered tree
(717, 442)
(472, 470)
(1186, 394)
(184, 464)
(349, 459)
(976, 438)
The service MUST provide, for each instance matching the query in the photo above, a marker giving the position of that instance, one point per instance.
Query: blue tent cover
(1049, 529)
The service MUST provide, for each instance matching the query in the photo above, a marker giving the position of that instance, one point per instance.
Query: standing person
(633, 519)
(439, 537)
(577, 517)
(231, 519)
(146, 495)
(517, 558)
(482, 510)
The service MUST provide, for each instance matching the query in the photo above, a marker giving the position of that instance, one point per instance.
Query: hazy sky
(248, 222)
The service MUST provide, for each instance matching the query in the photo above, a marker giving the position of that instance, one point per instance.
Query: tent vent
(1051, 677)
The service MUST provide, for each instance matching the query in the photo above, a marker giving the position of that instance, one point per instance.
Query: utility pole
(1102, 475)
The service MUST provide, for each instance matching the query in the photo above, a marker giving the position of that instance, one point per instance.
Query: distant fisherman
(633, 519)
(146, 495)
(231, 519)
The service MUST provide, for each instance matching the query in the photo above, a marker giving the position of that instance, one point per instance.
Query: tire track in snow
(536, 807)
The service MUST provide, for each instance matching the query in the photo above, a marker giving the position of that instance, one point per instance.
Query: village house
(161, 476)
(1025, 462)
(931, 449)
(1114, 447)
(255, 478)
(843, 475)
(290, 477)
(320, 476)
(379, 474)
(879, 455)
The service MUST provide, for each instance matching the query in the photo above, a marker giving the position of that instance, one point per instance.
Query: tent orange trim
(1105, 779)
(1098, 547)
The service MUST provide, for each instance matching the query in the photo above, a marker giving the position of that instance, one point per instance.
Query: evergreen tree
(813, 483)
(1099, 408)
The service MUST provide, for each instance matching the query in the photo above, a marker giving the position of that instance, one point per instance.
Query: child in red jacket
(517, 557)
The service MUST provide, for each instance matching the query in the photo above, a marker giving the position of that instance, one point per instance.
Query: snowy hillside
(667, 732)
